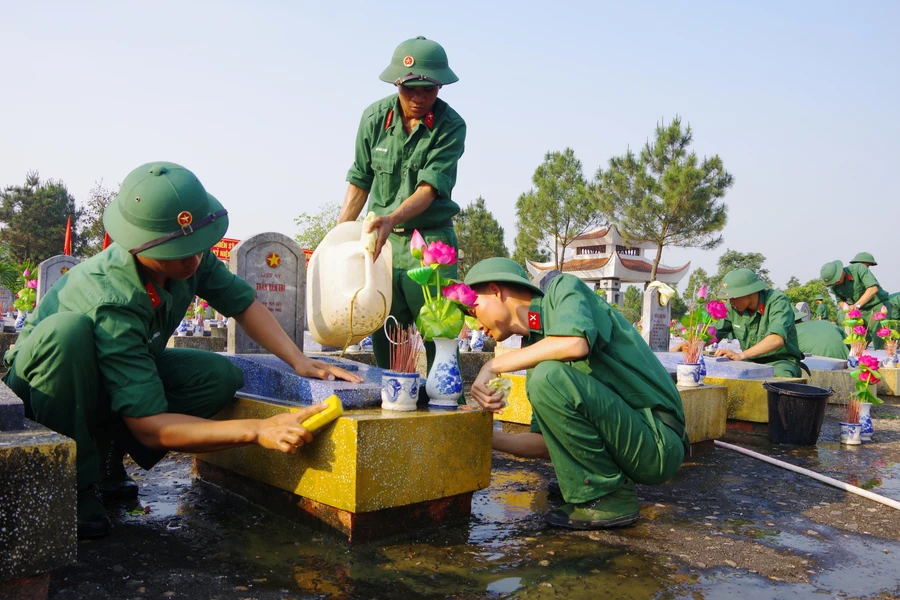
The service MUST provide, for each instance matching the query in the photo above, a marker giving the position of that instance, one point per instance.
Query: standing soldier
(407, 148)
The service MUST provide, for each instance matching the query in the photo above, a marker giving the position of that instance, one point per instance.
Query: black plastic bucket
(796, 412)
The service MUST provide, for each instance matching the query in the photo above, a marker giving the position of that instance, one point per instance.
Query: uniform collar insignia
(849, 276)
(534, 320)
(429, 119)
(389, 120)
(761, 309)
(151, 293)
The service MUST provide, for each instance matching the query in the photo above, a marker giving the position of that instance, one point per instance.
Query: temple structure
(603, 259)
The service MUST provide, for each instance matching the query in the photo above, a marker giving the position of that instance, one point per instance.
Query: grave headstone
(51, 270)
(6, 300)
(275, 266)
(804, 308)
(655, 321)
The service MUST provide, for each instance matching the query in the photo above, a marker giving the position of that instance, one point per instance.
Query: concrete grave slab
(12, 410)
(722, 367)
(51, 270)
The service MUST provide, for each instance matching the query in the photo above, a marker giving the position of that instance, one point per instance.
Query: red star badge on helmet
(409, 61)
(273, 260)
(185, 218)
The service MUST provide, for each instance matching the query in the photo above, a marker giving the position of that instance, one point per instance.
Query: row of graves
(372, 473)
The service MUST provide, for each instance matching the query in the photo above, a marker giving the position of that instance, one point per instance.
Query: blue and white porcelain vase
(688, 375)
(850, 434)
(182, 328)
(702, 370)
(865, 420)
(21, 315)
(444, 383)
(476, 340)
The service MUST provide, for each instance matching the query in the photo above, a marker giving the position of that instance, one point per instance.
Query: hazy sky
(262, 101)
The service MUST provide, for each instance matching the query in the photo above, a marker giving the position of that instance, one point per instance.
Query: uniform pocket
(384, 166)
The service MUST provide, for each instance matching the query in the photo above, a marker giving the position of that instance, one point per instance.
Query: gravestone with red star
(51, 270)
(275, 266)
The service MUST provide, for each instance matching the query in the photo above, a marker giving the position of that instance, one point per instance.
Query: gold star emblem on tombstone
(273, 260)
(64, 270)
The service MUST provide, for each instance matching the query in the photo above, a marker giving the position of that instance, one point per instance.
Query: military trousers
(407, 297)
(56, 374)
(597, 442)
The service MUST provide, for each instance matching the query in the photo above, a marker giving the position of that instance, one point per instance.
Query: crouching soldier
(605, 409)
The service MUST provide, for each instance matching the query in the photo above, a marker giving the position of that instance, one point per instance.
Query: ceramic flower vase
(399, 391)
(850, 434)
(463, 344)
(182, 328)
(444, 383)
(476, 340)
(688, 375)
(21, 315)
(702, 364)
(865, 421)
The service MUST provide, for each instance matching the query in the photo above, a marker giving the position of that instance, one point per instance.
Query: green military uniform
(773, 315)
(821, 311)
(822, 338)
(857, 279)
(611, 416)
(95, 350)
(391, 164)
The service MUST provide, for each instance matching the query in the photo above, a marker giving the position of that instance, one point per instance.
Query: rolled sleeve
(361, 174)
(226, 292)
(567, 313)
(439, 170)
(126, 364)
(866, 277)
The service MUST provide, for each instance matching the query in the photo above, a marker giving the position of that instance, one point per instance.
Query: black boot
(116, 485)
(92, 520)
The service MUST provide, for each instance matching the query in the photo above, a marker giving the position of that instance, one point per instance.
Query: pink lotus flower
(711, 331)
(717, 309)
(854, 314)
(204, 304)
(883, 332)
(869, 361)
(879, 316)
(31, 283)
(26, 273)
(417, 245)
(859, 330)
(867, 377)
(460, 292)
(672, 323)
(439, 253)
(701, 293)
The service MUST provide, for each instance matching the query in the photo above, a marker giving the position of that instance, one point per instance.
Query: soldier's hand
(488, 399)
(284, 432)
(383, 226)
(324, 370)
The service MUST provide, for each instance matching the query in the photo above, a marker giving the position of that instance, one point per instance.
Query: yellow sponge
(321, 419)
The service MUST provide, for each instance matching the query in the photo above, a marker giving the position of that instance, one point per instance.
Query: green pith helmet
(865, 258)
(163, 212)
(818, 298)
(798, 315)
(741, 282)
(419, 62)
(500, 270)
(831, 272)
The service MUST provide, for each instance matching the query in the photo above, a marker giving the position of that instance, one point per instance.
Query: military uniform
(95, 350)
(857, 279)
(773, 315)
(391, 164)
(612, 416)
(822, 311)
(822, 338)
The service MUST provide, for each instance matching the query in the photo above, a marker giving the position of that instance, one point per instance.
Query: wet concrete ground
(727, 525)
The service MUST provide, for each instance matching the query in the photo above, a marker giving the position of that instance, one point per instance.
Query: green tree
(314, 226)
(33, 218)
(480, 235)
(666, 195)
(560, 207)
(527, 248)
(697, 280)
(91, 224)
(732, 259)
(793, 282)
(633, 303)
(807, 293)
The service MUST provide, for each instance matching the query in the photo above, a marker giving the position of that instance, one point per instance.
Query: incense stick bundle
(405, 345)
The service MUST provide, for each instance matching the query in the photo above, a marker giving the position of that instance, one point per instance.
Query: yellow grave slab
(370, 459)
(747, 398)
(843, 383)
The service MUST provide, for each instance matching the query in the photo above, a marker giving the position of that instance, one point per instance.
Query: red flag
(106, 241)
(67, 247)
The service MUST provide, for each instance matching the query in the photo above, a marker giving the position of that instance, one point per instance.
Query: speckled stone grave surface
(721, 367)
(823, 363)
(268, 377)
(37, 501)
(51, 270)
(12, 411)
(275, 266)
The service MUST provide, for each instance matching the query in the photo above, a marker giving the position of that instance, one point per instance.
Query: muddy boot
(116, 485)
(553, 488)
(618, 509)
(92, 520)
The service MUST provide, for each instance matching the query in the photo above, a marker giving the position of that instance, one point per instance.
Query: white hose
(818, 476)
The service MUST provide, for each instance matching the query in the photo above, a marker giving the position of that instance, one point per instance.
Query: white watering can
(348, 294)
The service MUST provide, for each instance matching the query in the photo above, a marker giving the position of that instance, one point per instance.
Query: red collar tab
(429, 119)
(151, 293)
(534, 320)
(849, 276)
(762, 308)
(389, 120)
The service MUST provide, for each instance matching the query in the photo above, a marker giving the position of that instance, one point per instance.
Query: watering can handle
(384, 327)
